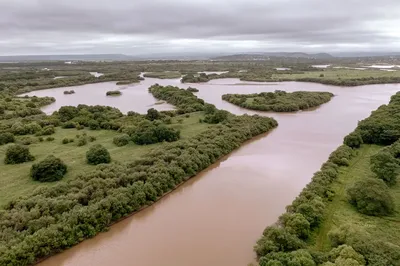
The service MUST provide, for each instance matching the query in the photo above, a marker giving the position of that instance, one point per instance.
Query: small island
(279, 101)
(113, 93)
(192, 89)
(163, 75)
(69, 92)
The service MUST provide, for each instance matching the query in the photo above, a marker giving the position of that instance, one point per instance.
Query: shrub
(152, 132)
(27, 141)
(216, 117)
(65, 141)
(277, 239)
(296, 224)
(49, 139)
(49, 170)
(82, 141)
(371, 197)
(121, 140)
(17, 154)
(93, 124)
(353, 140)
(385, 166)
(92, 138)
(48, 130)
(113, 93)
(41, 139)
(97, 154)
(153, 114)
(69, 124)
(6, 137)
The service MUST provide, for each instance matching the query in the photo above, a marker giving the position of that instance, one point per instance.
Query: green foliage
(46, 131)
(186, 101)
(279, 101)
(113, 93)
(97, 154)
(295, 258)
(371, 197)
(296, 224)
(353, 140)
(383, 126)
(49, 170)
(190, 78)
(152, 132)
(81, 207)
(153, 114)
(6, 137)
(69, 92)
(69, 124)
(217, 117)
(277, 239)
(82, 141)
(375, 251)
(16, 154)
(49, 139)
(121, 140)
(385, 166)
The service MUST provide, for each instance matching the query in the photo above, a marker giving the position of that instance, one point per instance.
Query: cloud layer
(160, 26)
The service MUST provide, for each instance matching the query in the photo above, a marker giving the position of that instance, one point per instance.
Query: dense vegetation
(163, 75)
(49, 170)
(309, 232)
(184, 100)
(53, 218)
(16, 154)
(113, 93)
(279, 101)
(80, 208)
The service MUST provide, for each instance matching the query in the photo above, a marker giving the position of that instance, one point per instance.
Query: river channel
(216, 217)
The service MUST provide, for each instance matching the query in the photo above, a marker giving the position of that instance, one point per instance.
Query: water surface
(216, 217)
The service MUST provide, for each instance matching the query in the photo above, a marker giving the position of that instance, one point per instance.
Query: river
(216, 217)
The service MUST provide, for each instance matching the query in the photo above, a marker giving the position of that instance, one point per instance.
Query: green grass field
(339, 211)
(15, 180)
(332, 73)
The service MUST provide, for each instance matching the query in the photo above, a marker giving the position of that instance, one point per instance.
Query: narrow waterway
(216, 217)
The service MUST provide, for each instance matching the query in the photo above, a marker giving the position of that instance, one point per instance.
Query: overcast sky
(168, 26)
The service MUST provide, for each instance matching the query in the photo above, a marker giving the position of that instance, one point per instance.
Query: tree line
(55, 218)
(279, 101)
(285, 243)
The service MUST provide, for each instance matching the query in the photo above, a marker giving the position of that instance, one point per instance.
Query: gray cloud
(143, 26)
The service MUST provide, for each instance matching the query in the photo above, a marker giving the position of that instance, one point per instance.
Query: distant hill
(267, 56)
(72, 57)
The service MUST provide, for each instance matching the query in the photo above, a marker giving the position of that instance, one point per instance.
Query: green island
(163, 75)
(67, 176)
(69, 92)
(279, 101)
(349, 213)
(113, 93)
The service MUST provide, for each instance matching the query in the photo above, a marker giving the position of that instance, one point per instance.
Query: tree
(6, 137)
(17, 154)
(49, 170)
(371, 197)
(385, 166)
(121, 140)
(97, 154)
(296, 224)
(153, 114)
(353, 140)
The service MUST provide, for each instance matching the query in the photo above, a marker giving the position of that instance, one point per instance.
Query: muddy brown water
(216, 217)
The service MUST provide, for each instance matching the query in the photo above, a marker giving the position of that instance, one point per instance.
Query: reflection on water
(216, 217)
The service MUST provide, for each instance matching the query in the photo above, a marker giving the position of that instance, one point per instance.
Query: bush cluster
(121, 140)
(152, 132)
(97, 154)
(49, 170)
(57, 217)
(279, 101)
(16, 154)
